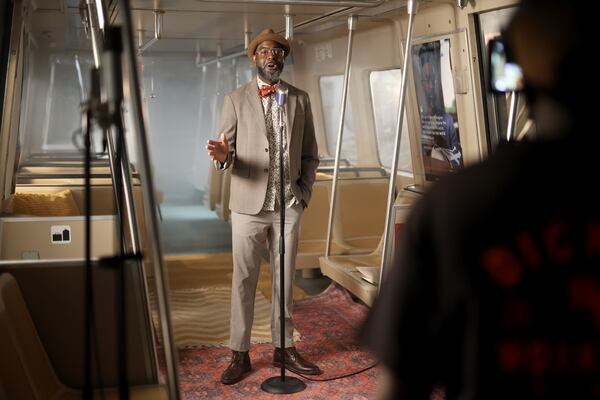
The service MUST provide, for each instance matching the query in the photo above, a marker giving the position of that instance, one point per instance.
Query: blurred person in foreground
(495, 289)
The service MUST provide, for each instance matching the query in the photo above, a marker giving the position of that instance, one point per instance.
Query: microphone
(281, 95)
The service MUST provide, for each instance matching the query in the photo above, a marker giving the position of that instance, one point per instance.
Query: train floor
(326, 320)
(189, 229)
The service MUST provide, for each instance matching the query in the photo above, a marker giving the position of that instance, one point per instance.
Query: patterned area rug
(200, 298)
(201, 317)
(327, 323)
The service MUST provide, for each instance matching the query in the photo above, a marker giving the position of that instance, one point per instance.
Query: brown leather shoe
(238, 367)
(295, 362)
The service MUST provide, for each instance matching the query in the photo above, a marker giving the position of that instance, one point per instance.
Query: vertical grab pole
(134, 240)
(386, 256)
(96, 39)
(119, 173)
(512, 116)
(289, 27)
(352, 20)
(151, 212)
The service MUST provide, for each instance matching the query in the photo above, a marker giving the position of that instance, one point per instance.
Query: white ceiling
(188, 25)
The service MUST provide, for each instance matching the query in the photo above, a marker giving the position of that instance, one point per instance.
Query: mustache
(270, 75)
(278, 64)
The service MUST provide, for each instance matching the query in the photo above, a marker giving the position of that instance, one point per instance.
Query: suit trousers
(252, 237)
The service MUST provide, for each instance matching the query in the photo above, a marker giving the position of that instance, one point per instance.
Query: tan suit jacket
(243, 122)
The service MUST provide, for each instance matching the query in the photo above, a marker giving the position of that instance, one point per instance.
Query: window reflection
(331, 100)
(385, 95)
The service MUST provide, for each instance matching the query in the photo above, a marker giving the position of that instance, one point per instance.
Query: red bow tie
(266, 90)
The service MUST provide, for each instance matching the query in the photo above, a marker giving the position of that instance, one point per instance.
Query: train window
(331, 98)
(385, 95)
(59, 97)
(434, 84)
(178, 133)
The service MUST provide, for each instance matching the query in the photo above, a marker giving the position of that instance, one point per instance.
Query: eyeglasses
(275, 51)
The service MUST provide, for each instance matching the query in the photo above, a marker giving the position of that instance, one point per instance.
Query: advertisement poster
(440, 140)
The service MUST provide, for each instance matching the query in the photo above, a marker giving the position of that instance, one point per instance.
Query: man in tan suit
(249, 144)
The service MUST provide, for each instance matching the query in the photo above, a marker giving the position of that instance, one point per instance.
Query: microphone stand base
(283, 385)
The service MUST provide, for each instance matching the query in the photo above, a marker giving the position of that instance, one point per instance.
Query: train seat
(55, 204)
(25, 369)
(358, 220)
(343, 268)
(33, 214)
(360, 212)
(54, 200)
(313, 229)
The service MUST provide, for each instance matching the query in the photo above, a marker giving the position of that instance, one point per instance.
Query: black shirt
(495, 289)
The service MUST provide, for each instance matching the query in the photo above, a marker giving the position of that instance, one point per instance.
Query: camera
(505, 76)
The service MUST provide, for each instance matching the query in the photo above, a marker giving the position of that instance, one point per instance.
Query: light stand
(282, 384)
(109, 117)
(89, 105)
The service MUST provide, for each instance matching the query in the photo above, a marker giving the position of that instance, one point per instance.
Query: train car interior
(115, 226)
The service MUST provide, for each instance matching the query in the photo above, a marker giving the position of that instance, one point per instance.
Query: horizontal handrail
(58, 262)
(354, 178)
(63, 164)
(70, 155)
(331, 160)
(356, 170)
(32, 175)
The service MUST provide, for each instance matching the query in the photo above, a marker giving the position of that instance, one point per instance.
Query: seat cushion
(44, 204)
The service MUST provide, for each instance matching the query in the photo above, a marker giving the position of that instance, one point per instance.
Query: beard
(270, 76)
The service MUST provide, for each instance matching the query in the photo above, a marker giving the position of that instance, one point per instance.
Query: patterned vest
(272, 121)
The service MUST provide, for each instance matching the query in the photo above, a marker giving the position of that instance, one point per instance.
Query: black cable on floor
(333, 378)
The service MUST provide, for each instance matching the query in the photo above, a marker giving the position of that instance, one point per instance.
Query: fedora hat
(268, 34)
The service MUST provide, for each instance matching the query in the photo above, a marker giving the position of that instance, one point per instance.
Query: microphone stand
(282, 384)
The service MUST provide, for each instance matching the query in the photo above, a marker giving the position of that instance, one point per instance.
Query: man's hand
(218, 149)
